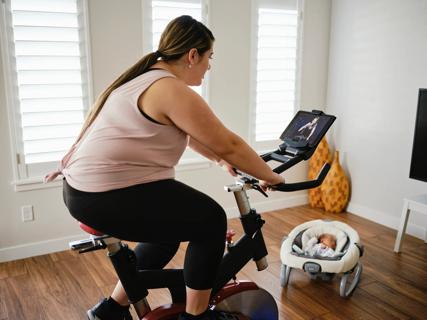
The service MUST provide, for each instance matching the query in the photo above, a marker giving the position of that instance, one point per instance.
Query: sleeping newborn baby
(323, 246)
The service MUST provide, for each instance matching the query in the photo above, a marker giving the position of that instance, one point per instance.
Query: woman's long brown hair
(180, 36)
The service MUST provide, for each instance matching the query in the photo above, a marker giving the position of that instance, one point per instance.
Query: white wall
(377, 63)
(315, 54)
(116, 41)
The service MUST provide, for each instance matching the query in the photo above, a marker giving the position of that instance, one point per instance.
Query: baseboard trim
(37, 248)
(386, 220)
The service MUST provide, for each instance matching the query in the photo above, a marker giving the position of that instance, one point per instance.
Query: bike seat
(90, 230)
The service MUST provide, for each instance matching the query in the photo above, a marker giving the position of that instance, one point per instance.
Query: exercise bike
(228, 293)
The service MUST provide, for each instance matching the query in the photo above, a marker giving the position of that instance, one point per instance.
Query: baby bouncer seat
(345, 261)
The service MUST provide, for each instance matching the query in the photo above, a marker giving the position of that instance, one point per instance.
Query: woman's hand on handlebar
(267, 185)
(227, 167)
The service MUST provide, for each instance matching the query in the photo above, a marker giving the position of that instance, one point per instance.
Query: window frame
(147, 39)
(23, 180)
(263, 146)
(190, 159)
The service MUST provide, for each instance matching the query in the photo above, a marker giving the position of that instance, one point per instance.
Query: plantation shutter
(165, 11)
(48, 62)
(162, 12)
(276, 66)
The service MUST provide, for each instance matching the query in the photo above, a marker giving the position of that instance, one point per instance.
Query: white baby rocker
(295, 253)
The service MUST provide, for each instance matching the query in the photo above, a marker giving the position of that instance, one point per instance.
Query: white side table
(416, 203)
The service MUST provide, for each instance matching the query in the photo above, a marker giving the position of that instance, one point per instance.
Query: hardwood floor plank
(288, 312)
(394, 281)
(158, 297)
(329, 298)
(44, 276)
(3, 272)
(328, 316)
(415, 309)
(79, 283)
(12, 268)
(3, 294)
(302, 303)
(12, 303)
(52, 286)
(99, 267)
(63, 255)
(30, 306)
(376, 306)
(389, 263)
(61, 307)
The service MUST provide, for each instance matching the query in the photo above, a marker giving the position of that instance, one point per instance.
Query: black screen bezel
(330, 121)
(413, 174)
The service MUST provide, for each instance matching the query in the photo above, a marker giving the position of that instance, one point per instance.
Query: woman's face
(199, 68)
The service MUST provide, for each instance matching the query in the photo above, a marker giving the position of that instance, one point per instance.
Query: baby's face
(328, 240)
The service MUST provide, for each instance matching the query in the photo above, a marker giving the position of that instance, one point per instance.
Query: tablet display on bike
(307, 129)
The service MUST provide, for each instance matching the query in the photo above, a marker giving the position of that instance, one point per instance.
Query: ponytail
(136, 70)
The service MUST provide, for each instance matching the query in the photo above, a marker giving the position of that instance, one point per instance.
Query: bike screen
(307, 129)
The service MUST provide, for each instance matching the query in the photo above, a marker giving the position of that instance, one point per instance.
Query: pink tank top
(122, 147)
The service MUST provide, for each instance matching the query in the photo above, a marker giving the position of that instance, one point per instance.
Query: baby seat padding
(318, 230)
(344, 233)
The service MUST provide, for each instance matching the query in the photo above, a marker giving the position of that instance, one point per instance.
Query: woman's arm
(203, 150)
(312, 131)
(189, 112)
(208, 153)
(303, 127)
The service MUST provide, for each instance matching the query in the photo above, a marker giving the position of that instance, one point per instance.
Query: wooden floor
(393, 286)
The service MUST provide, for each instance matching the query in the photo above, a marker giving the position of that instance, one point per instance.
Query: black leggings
(159, 214)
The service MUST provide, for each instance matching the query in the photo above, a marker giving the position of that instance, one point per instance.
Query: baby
(323, 246)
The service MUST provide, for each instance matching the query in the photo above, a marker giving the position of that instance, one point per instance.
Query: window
(158, 13)
(274, 73)
(47, 73)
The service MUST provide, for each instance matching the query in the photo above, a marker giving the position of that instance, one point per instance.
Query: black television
(418, 169)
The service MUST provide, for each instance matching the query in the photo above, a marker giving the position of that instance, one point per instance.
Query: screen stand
(416, 203)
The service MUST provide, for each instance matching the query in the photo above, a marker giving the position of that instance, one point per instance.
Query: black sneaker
(105, 310)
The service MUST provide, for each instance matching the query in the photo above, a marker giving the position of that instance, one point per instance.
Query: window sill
(37, 183)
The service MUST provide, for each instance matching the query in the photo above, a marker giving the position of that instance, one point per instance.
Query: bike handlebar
(286, 163)
(287, 187)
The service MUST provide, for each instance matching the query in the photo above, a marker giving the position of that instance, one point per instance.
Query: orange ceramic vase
(335, 189)
(316, 162)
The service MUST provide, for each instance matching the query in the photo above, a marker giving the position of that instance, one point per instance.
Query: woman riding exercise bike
(125, 155)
